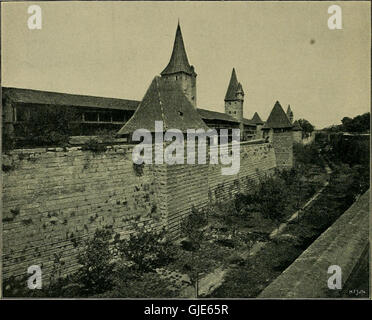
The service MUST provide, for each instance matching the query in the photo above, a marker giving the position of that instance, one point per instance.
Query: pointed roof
(289, 113)
(256, 119)
(164, 101)
(296, 126)
(178, 61)
(233, 88)
(277, 118)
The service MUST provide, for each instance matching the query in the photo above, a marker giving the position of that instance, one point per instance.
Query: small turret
(290, 114)
(234, 98)
(278, 130)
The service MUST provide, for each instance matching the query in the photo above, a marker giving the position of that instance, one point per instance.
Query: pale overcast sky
(281, 51)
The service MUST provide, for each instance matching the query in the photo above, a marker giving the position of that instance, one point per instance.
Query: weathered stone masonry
(55, 198)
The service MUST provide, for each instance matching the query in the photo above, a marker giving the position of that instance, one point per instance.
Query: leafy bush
(308, 154)
(271, 198)
(96, 272)
(47, 126)
(138, 169)
(192, 224)
(94, 145)
(353, 150)
(244, 203)
(146, 250)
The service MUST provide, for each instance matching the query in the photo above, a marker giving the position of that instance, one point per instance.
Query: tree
(348, 124)
(359, 123)
(48, 126)
(306, 126)
(192, 227)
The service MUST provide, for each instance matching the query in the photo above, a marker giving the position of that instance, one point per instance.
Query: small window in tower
(180, 113)
(176, 78)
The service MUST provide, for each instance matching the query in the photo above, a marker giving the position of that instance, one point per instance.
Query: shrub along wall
(54, 198)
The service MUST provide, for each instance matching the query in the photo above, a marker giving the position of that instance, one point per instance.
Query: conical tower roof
(289, 110)
(277, 118)
(233, 88)
(256, 119)
(289, 113)
(178, 61)
(164, 101)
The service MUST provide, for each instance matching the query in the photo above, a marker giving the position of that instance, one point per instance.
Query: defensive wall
(54, 198)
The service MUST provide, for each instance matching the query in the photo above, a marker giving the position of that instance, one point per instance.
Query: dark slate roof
(277, 118)
(214, 115)
(240, 89)
(233, 88)
(257, 119)
(289, 110)
(178, 61)
(249, 122)
(65, 99)
(164, 101)
(296, 126)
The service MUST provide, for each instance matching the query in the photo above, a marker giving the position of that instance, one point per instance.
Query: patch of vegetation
(8, 142)
(110, 267)
(138, 169)
(306, 126)
(46, 126)
(346, 183)
(96, 272)
(358, 124)
(145, 251)
(308, 154)
(94, 145)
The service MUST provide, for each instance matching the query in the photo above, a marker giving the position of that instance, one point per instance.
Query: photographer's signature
(357, 292)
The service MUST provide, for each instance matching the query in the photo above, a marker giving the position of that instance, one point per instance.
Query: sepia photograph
(185, 150)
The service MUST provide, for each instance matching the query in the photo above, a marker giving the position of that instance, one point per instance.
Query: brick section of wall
(197, 185)
(283, 146)
(53, 199)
